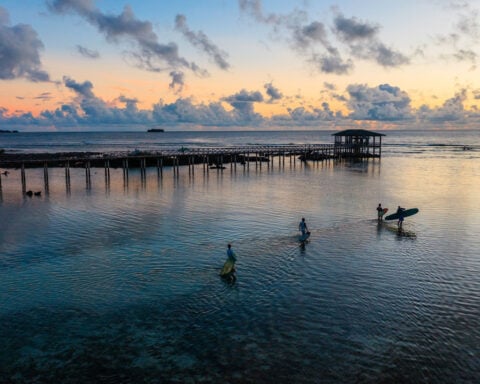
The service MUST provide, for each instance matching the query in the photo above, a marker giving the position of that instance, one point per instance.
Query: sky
(83, 65)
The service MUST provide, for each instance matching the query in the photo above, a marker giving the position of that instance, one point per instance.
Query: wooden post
(88, 179)
(24, 180)
(67, 176)
(107, 171)
(125, 171)
(160, 167)
(174, 163)
(107, 175)
(45, 176)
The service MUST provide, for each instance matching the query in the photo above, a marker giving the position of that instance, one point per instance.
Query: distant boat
(156, 130)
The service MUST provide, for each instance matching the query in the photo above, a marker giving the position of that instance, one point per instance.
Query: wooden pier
(205, 158)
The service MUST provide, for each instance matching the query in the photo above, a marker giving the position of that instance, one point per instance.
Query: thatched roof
(357, 133)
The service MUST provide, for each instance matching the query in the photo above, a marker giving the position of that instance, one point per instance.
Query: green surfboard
(406, 213)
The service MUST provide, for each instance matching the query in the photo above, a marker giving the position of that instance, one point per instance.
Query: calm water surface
(120, 283)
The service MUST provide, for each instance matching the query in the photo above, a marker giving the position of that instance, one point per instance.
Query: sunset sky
(239, 64)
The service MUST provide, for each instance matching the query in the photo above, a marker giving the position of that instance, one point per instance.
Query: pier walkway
(209, 157)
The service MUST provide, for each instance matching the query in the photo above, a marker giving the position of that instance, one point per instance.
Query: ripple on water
(128, 281)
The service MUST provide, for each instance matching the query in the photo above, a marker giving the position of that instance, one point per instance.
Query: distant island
(7, 131)
(156, 130)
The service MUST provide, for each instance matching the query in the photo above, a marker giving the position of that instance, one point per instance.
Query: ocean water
(118, 283)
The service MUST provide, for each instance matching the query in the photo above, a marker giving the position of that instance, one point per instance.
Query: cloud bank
(383, 104)
(20, 51)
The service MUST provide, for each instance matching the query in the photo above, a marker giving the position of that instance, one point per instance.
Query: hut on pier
(358, 143)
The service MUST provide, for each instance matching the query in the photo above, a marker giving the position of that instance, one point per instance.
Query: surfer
(400, 211)
(228, 269)
(302, 226)
(380, 212)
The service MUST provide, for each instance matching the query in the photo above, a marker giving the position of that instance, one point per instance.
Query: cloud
(464, 37)
(452, 110)
(476, 94)
(178, 80)
(150, 54)
(302, 115)
(381, 103)
(44, 96)
(353, 30)
(184, 111)
(305, 36)
(327, 53)
(243, 101)
(87, 108)
(200, 40)
(329, 86)
(273, 92)
(363, 42)
(332, 63)
(254, 9)
(88, 53)
(84, 89)
(20, 51)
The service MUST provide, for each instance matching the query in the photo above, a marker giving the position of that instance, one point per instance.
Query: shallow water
(120, 283)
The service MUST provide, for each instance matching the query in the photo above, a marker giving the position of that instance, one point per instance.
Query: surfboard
(406, 213)
(303, 238)
(228, 268)
(384, 210)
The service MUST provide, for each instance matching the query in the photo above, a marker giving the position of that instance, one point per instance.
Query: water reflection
(124, 280)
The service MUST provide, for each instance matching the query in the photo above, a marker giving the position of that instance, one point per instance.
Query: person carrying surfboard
(380, 212)
(400, 211)
(229, 266)
(302, 226)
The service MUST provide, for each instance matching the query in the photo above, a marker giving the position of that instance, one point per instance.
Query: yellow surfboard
(228, 267)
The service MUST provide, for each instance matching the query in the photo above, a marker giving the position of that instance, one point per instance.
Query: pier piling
(45, 177)
(24, 180)
(88, 179)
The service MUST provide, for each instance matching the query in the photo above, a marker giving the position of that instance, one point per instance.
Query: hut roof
(357, 132)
